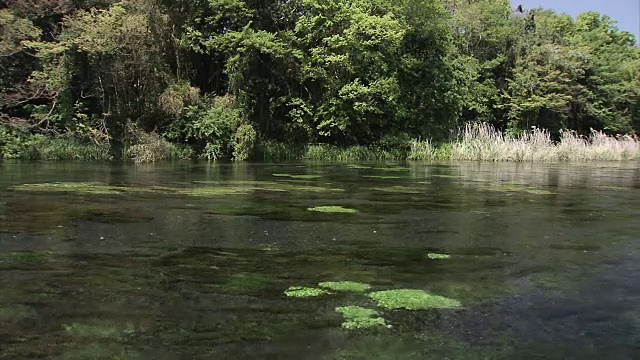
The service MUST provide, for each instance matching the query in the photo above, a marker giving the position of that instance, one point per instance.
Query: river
(193, 260)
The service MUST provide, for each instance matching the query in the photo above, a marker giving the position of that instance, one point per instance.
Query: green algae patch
(333, 209)
(516, 188)
(388, 177)
(246, 283)
(16, 313)
(219, 189)
(411, 299)
(396, 190)
(447, 176)
(101, 351)
(392, 169)
(357, 317)
(437, 256)
(539, 192)
(99, 332)
(301, 177)
(72, 187)
(301, 292)
(345, 286)
(24, 258)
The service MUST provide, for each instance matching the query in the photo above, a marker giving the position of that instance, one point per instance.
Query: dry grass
(483, 142)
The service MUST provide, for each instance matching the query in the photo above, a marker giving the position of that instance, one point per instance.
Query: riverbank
(479, 142)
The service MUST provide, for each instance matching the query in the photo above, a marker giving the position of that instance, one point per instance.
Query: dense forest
(213, 78)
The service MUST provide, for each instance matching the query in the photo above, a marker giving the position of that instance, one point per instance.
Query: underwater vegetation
(101, 351)
(101, 332)
(512, 187)
(357, 317)
(302, 177)
(411, 299)
(214, 189)
(436, 256)
(16, 313)
(381, 177)
(302, 291)
(246, 283)
(345, 286)
(333, 209)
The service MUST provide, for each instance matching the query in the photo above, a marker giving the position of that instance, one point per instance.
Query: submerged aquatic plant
(357, 317)
(382, 177)
(302, 177)
(333, 209)
(436, 256)
(345, 286)
(246, 283)
(16, 313)
(511, 187)
(302, 291)
(220, 188)
(411, 299)
(95, 331)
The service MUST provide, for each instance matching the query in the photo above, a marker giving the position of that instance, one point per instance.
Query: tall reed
(483, 142)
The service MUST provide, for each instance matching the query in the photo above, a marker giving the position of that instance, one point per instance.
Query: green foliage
(333, 209)
(411, 299)
(301, 291)
(357, 317)
(354, 80)
(345, 286)
(243, 142)
(213, 127)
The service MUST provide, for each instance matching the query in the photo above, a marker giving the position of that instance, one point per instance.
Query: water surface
(191, 260)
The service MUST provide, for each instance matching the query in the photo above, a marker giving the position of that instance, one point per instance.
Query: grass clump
(333, 209)
(302, 291)
(436, 256)
(411, 299)
(101, 332)
(357, 317)
(345, 286)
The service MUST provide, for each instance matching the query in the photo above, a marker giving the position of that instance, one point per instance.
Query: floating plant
(357, 317)
(411, 299)
(301, 291)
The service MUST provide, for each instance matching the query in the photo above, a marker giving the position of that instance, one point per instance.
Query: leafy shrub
(212, 128)
(243, 142)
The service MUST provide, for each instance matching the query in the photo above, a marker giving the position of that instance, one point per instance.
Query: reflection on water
(542, 257)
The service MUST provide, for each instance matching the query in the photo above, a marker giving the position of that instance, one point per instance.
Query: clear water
(544, 259)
